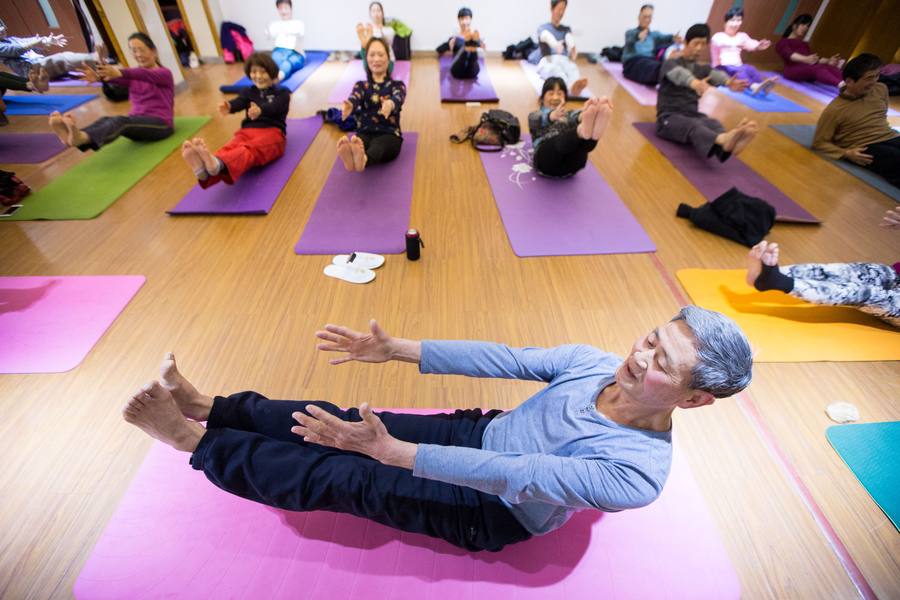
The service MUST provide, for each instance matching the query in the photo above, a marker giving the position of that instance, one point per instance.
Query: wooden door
(25, 18)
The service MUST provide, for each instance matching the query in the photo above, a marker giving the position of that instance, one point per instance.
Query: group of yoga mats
(769, 103)
(817, 91)
(176, 535)
(355, 72)
(803, 135)
(559, 217)
(713, 178)
(49, 324)
(91, 186)
(257, 189)
(43, 104)
(28, 148)
(465, 90)
(871, 451)
(786, 329)
(314, 60)
(363, 212)
(538, 83)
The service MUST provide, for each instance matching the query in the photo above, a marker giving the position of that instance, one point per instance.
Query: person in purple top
(151, 90)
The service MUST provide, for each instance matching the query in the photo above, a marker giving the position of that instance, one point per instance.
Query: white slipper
(350, 273)
(360, 259)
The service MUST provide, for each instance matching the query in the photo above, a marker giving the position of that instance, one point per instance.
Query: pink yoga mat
(175, 535)
(363, 212)
(559, 217)
(537, 83)
(28, 148)
(465, 90)
(355, 72)
(257, 189)
(713, 178)
(49, 324)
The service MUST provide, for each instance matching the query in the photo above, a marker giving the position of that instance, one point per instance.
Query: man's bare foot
(588, 116)
(209, 161)
(728, 139)
(763, 252)
(153, 410)
(343, 148)
(746, 132)
(191, 157)
(40, 79)
(76, 137)
(361, 32)
(578, 87)
(358, 149)
(59, 127)
(189, 401)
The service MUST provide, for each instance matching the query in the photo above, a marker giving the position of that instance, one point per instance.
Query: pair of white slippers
(355, 268)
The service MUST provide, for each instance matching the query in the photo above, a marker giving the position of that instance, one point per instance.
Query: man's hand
(224, 108)
(573, 53)
(763, 44)
(374, 347)
(700, 85)
(560, 47)
(677, 38)
(736, 85)
(254, 111)
(347, 110)
(642, 34)
(892, 219)
(858, 156)
(387, 107)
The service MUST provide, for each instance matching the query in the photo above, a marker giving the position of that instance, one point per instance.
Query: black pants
(8, 81)
(140, 129)
(465, 64)
(381, 147)
(642, 69)
(886, 160)
(562, 155)
(249, 450)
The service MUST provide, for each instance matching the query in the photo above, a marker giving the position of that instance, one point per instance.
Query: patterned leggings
(870, 287)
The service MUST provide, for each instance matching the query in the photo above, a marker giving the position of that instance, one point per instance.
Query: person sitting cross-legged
(639, 55)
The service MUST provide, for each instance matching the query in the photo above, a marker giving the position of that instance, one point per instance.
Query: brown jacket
(853, 123)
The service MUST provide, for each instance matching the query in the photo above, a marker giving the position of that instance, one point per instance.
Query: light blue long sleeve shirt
(635, 47)
(554, 454)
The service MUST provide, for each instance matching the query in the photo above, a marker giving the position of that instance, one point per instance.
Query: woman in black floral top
(376, 103)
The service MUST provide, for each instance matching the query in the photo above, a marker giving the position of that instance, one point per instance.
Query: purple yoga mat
(713, 178)
(257, 189)
(466, 90)
(28, 148)
(815, 90)
(559, 217)
(363, 212)
(73, 82)
(643, 94)
(355, 72)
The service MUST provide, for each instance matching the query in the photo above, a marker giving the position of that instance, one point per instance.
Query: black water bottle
(413, 241)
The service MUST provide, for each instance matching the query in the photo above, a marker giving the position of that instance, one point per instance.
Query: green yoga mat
(872, 451)
(91, 186)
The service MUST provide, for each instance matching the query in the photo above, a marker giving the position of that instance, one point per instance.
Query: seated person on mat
(464, 48)
(556, 49)
(288, 33)
(726, 47)
(681, 83)
(855, 126)
(375, 28)
(35, 82)
(261, 138)
(801, 63)
(562, 139)
(151, 91)
(20, 57)
(639, 56)
(598, 436)
(872, 288)
(376, 103)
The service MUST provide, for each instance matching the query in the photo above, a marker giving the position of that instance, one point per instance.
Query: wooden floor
(239, 309)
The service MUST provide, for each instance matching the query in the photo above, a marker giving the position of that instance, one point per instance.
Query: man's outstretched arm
(373, 347)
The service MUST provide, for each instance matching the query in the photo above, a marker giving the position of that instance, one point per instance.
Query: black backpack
(505, 125)
(520, 50)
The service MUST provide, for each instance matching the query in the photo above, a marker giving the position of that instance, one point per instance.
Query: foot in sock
(762, 269)
(213, 165)
(193, 160)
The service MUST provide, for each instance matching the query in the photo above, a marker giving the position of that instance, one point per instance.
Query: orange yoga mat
(786, 329)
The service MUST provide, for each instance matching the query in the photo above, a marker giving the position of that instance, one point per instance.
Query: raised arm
(376, 346)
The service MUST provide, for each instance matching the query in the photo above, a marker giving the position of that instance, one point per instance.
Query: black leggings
(381, 147)
(465, 64)
(562, 155)
(8, 81)
(140, 129)
(886, 160)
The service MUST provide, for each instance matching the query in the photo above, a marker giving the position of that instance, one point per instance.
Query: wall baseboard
(212, 60)
(183, 85)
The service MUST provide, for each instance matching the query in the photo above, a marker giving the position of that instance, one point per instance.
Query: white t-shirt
(288, 34)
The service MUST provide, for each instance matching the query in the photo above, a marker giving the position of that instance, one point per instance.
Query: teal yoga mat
(91, 186)
(872, 451)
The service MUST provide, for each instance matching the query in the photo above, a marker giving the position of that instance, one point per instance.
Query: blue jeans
(249, 451)
(288, 61)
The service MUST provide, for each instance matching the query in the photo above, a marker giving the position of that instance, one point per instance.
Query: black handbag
(505, 125)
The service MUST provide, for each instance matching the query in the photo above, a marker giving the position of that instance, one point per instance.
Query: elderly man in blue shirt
(640, 62)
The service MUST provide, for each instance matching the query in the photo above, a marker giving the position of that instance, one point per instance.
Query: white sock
(202, 173)
(219, 165)
(754, 87)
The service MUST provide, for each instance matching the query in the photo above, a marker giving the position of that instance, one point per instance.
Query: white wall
(196, 16)
(331, 25)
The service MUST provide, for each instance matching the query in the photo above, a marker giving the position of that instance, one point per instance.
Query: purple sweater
(151, 92)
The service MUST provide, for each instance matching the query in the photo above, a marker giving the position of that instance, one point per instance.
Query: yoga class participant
(726, 47)
(801, 63)
(562, 139)
(855, 126)
(288, 33)
(261, 138)
(870, 287)
(640, 60)
(151, 90)
(20, 56)
(556, 48)
(35, 82)
(598, 436)
(681, 83)
(376, 103)
(464, 48)
(377, 29)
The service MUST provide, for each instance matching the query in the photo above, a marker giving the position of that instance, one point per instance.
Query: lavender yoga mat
(465, 90)
(537, 83)
(257, 189)
(559, 217)
(643, 94)
(176, 535)
(29, 148)
(815, 90)
(49, 324)
(355, 72)
(363, 212)
(71, 80)
(713, 178)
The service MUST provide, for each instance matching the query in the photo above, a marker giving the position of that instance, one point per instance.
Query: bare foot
(343, 148)
(578, 87)
(476, 37)
(39, 79)
(76, 137)
(209, 161)
(191, 157)
(369, 31)
(59, 127)
(361, 32)
(762, 252)
(588, 115)
(728, 139)
(767, 85)
(189, 401)
(604, 112)
(153, 410)
(746, 132)
(358, 149)
(100, 51)
(467, 35)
